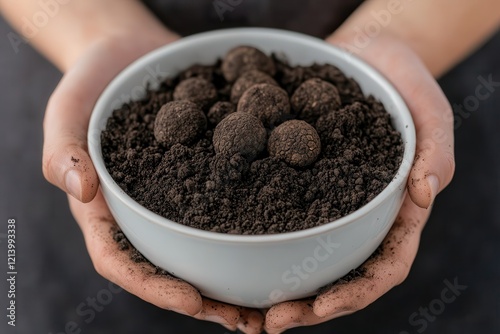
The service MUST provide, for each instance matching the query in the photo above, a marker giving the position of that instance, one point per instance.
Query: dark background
(55, 274)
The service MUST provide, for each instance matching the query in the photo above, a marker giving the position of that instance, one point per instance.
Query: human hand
(432, 171)
(66, 164)
(141, 279)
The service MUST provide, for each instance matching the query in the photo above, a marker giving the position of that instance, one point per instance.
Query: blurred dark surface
(55, 275)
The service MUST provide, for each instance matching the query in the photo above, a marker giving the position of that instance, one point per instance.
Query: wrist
(125, 44)
(80, 25)
(358, 42)
(380, 51)
(440, 35)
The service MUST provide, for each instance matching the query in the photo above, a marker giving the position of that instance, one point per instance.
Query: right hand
(433, 120)
(67, 165)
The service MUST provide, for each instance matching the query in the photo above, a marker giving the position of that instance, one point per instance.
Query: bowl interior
(206, 48)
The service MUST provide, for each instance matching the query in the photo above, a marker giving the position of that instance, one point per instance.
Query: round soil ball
(219, 111)
(197, 90)
(246, 58)
(247, 80)
(295, 142)
(313, 98)
(240, 133)
(179, 122)
(267, 102)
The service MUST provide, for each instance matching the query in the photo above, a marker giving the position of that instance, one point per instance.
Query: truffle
(295, 142)
(179, 122)
(197, 90)
(198, 71)
(247, 80)
(219, 111)
(246, 58)
(313, 98)
(240, 133)
(268, 102)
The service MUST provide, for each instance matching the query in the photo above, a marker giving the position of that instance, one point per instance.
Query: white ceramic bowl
(255, 271)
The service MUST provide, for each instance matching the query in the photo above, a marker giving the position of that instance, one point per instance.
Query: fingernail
(433, 183)
(73, 184)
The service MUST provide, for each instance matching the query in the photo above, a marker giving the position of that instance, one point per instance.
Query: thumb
(434, 163)
(66, 162)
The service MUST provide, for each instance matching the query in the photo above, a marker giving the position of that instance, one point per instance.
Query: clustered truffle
(179, 122)
(247, 80)
(258, 108)
(196, 90)
(269, 103)
(240, 133)
(219, 111)
(295, 142)
(246, 58)
(313, 98)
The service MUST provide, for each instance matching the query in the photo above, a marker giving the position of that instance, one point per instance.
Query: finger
(232, 317)
(66, 162)
(434, 164)
(140, 279)
(383, 271)
(432, 115)
(224, 314)
(251, 321)
(433, 118)
(388, 268)
(287, 315)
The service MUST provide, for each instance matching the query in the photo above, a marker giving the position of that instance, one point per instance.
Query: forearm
(71, 27)
(441, 32)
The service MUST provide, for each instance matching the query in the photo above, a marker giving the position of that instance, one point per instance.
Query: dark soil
(134, 254)
(191, 185)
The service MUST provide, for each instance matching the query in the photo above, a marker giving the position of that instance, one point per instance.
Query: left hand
(432, 171)
(65, 153)
(140, 279)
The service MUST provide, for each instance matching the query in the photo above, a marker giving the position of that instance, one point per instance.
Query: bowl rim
(236, 33)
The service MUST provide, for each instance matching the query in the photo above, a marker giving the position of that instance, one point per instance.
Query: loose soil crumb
(353, 275)
(245, 194)
(134, 254)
